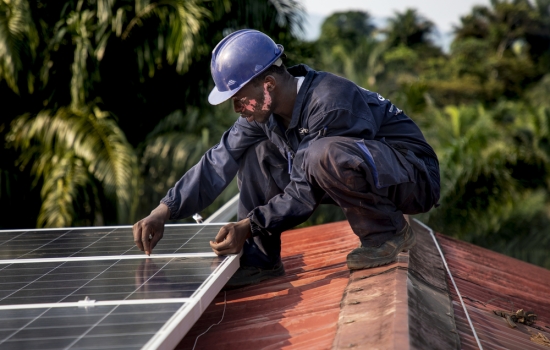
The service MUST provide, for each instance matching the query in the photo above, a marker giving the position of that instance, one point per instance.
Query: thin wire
(215, 324)
(454, 284)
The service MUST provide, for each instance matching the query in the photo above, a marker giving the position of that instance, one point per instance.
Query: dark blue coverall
(344, 143)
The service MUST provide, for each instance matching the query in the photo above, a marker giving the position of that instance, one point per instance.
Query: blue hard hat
(237, 59)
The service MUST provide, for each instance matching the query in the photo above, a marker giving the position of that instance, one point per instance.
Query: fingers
(155, 239)
(149, 231)
(226, 250)
(137, 235)
(226, 241)
(145, 233)
(222, 233)
(220, 247)
(146, 236)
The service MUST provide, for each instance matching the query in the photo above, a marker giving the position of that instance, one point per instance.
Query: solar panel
(92, 288)
(83, 242)
(107, 326)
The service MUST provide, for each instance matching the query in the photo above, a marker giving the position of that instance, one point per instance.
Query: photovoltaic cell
(104, 280)
(64, 243)
(99, 327)
(100, 291)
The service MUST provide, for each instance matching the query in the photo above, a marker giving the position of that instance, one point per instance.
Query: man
(303, 137)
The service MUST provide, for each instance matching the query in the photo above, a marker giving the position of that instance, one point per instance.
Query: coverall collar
(300, 70)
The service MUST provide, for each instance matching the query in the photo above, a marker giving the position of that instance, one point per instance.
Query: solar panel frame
(181, 321)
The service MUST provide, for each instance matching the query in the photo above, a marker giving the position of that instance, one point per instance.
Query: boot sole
(408, 244)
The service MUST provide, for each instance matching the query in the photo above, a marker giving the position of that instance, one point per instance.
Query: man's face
(253, 102)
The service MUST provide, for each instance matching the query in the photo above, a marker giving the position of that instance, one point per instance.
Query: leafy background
(104, 106)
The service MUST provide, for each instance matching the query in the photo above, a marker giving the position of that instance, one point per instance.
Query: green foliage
(348, 47)
(76, 153)
(409, 29)
(495, 174)
(79, 136)
(175, 145)
(503, 48)
(483, 107)
(18, 42)
(346, 28)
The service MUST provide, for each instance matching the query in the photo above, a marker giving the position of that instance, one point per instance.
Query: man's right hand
(149, 231)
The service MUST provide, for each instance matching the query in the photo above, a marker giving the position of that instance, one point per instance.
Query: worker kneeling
(304, 138)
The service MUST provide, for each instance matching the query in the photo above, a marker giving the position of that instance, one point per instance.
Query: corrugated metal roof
(319, 305)
(299, 310)
(489, 281)
(376, 300)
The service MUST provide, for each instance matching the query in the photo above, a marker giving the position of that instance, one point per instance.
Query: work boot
(248, 275)
(367, 257)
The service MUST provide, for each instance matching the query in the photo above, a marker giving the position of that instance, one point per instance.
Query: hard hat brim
(216, 96)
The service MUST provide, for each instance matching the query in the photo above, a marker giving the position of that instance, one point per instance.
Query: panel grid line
(108, 257)
(1, 244)
(129, 295)
(190, 238)
(23, 327)
(34, 249)
(53, 240)
(20, 329)
(90, 280)
(53, 269)
(90, 329)
(18, 258)
(98, 303)
(110, 312)
(112, 227)
(81, 285)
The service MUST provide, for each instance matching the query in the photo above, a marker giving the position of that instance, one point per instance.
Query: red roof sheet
(303, 309)
(299, 310)
(376, 299)
(489, 281)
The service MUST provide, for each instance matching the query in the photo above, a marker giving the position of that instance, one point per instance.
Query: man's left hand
(230, 239)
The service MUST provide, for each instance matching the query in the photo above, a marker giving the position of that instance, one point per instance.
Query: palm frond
(181, 21)
(62, 188)
(289, 14)
(95, 139)
(175, 145)
(18, 40)
(477, 186)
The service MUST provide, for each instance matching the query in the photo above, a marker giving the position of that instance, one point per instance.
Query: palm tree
(513, 37)
(348, 46)
(408, 29)
(76, 148)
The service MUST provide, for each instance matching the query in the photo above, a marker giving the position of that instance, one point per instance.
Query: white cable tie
(86, 302)
(198, 218)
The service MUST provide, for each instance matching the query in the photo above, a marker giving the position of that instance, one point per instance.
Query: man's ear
(270, 82)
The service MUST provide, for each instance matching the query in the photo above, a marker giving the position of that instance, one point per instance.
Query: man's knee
(330, 154)
(316, 153)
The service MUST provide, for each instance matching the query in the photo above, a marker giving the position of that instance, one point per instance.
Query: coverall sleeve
(204, 182)
(300, 197)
